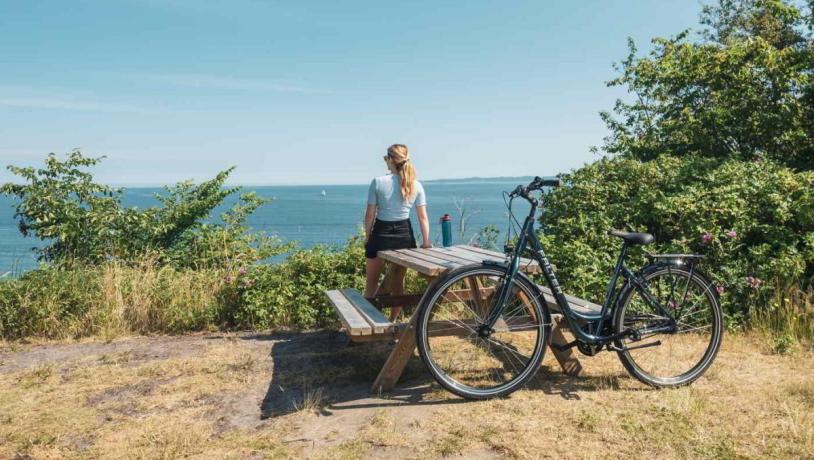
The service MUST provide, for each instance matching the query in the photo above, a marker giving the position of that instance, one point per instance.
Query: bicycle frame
(527, 237)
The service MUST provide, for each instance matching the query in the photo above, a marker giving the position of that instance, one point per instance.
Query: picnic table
(364, 322)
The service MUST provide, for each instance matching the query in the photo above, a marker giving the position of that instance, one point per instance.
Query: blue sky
(307, 92)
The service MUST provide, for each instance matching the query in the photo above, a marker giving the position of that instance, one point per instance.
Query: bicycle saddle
(632, 237)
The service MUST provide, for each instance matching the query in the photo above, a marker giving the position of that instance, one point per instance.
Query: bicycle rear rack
(675, 259)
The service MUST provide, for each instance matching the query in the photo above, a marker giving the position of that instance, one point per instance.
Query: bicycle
(482, 329)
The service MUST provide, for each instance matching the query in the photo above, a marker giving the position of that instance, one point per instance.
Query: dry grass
(788, 321)
(200, 397)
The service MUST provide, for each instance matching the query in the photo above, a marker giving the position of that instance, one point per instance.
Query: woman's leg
(373, 269)
(396, 276)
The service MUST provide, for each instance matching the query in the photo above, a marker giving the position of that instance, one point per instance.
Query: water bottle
(446, 230)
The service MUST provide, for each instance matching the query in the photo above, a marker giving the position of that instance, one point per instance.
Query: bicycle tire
(703, 289)
(539, 325)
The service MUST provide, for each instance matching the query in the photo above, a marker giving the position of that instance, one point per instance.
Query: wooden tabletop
(436, 261)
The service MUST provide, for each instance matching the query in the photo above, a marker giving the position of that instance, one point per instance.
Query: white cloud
(229, 83)
(39, 98)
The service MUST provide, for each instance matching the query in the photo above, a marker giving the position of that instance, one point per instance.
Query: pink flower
(242, 271)
(720, 289)
(732, 234)
(227, 278)
(754, 282)
(706, 238)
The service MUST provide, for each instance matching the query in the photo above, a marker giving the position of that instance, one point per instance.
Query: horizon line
(316, 184)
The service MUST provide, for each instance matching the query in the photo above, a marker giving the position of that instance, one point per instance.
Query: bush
(140, 298)
(83, 222)
(753, 220)
(292, 293)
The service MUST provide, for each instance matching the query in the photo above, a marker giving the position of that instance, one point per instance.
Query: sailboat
(323, 193)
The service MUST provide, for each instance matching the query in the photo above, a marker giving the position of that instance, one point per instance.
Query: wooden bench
(361, 319)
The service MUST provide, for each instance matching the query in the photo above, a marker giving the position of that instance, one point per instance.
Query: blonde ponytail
(400, 156)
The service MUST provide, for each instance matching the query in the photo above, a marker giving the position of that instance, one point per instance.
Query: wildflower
(227, 278)
(706, 238)
(754, 282)
(241, 271)
(720, 289)
(732, 234)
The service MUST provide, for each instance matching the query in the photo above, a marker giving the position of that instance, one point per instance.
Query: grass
(112, 300)
(200, 397)
(788, 322)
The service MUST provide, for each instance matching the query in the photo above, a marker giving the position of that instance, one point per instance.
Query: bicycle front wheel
(463, 357)
(679, 327)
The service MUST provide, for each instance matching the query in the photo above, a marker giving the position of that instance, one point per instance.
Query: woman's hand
(426, 245)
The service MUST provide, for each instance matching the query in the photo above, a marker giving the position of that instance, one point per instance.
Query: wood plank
(474, 256)
(404, 300)
(348, 315)
(487, 252)
(447, 264)
(374, 317)
(443, 253)
(475, 292)
(527, 303)
(401, 354)
(398, 358)
(579, 305)
(408, 261)
(526, 265)
(567, 358)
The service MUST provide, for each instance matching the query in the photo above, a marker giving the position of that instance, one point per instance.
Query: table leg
(475, 291)
(397, 361)
(567, 358)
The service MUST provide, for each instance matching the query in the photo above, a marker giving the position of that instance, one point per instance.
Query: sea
(313, 214)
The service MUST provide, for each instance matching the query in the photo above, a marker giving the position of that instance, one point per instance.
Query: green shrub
(48, 302)
(138, 298)
(292, 293)
(83, 222)
(753, 220)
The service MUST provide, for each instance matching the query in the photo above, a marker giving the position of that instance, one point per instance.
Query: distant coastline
(484, 179)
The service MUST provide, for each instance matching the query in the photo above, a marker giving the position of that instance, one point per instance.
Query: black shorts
(389, 235)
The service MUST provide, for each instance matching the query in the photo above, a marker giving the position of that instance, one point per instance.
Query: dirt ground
(292, 395)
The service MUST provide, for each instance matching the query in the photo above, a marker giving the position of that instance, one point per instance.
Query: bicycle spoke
(685, 330)
(460, 353)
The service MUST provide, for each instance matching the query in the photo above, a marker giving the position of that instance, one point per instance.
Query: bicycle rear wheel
(688, 307)
(464, 358)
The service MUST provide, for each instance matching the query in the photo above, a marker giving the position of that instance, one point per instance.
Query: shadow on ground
(319, 371)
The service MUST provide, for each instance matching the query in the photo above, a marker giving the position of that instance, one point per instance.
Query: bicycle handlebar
(537, 184)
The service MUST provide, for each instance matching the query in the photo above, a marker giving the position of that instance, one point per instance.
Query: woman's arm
(424, 223)
(370, 216)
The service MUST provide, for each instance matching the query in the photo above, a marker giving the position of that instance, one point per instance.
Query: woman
(387, 220)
